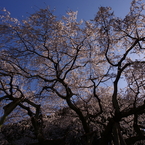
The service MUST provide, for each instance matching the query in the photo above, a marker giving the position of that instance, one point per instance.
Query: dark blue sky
(86, 8)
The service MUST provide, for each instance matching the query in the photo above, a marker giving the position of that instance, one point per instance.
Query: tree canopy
(88, 75)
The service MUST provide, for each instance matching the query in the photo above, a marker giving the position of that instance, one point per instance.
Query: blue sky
(86, 8)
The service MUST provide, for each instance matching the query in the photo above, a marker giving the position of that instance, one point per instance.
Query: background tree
(54, 63)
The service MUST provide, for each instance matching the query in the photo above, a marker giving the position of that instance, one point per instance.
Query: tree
(61, 62)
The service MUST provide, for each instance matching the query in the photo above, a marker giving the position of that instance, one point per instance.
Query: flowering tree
(96, 68)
